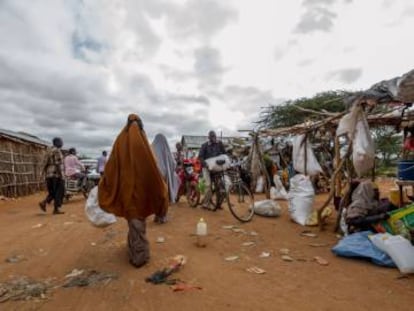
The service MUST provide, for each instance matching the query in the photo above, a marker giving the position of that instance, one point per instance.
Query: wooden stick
(332, 190)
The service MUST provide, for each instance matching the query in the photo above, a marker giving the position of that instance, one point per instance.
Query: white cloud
(78, 68)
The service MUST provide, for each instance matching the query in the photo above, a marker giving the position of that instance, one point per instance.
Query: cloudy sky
(77, 68)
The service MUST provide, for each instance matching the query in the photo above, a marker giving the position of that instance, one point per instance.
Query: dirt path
(52, 246)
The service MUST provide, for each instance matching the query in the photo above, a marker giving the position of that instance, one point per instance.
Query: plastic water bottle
(403, 230)
(201, 233)
(202, 185)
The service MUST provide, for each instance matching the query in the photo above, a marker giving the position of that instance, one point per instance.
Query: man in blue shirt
(208, 150)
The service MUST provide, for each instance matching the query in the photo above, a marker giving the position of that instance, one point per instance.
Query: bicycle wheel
(240, 202)
(193, 195)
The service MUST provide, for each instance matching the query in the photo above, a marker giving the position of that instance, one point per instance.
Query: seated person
(365, 209)
(73, 167)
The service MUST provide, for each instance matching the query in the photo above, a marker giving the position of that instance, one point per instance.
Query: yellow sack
(313, 218)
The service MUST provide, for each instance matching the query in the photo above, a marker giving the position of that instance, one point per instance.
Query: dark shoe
(57, 212)
(42, 205)
(160, 220)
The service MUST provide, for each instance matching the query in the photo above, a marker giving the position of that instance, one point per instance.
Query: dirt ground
(51, 246)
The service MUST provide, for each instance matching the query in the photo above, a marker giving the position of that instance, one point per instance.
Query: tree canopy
(287, 114)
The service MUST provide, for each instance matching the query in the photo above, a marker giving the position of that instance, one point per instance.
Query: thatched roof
(23, 137)
(195, 142)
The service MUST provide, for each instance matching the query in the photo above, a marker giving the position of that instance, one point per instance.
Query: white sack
(398, 248)
(259, 185)
(278, 192)
(313, 167)
(268, 208)
(363, 152)
(355, 125)
(97, 216)
(213, 166)
(301, 196)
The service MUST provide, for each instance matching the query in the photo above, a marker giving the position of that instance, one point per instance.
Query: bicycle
(240, 200)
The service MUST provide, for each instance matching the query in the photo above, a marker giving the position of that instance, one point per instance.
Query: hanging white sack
(260, 184)
(301, 196)
(278, 192)
(363, 152)
(97, 216)
(313, 167)
(355, 125)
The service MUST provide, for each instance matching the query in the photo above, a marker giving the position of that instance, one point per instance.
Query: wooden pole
(305, 145)
(338, 187)
(332, 191)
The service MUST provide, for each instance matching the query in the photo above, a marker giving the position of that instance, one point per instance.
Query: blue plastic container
(406, 169)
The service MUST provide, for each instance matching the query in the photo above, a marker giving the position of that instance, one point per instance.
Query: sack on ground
(214, 167)
(358, 245)
(97, 216)
(278, 192)
(268, 208)
(301, 197)
(260, 185)
(398, 248)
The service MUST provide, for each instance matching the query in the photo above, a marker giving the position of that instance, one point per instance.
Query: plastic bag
(312, 165)
(358, 245)
(214, 167)
(260, 185)
(278, 192)
(301, 197)
(97, 216)
(363, 152)
(268, 208)
(398, 248)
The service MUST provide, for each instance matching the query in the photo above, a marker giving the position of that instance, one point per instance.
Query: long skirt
(138, 246)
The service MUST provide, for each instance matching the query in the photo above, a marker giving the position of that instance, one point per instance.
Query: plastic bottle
(403, 230)
(201, 233)
(202, 185)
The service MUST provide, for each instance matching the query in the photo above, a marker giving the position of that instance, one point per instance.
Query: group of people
(56, 168)
(141, 180)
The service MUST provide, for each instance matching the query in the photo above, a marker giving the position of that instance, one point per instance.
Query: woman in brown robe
(132, 186)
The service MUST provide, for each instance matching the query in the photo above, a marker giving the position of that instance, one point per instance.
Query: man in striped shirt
(53, 170)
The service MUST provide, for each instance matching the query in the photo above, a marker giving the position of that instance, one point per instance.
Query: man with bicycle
(211, 148)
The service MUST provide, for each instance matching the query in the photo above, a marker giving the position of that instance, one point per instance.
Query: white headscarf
(166, 165)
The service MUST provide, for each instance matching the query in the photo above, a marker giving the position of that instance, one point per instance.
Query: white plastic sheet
(301, 196)
(97, 216)
(312, 165)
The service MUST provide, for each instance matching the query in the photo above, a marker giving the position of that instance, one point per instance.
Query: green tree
(287, 114)
(387, 143)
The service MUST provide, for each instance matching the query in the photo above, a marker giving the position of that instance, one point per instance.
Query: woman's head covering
(364, 202)
(132, 186)
(166, 164)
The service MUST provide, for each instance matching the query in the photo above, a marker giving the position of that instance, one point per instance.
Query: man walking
(101, 163)
(53, 170)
